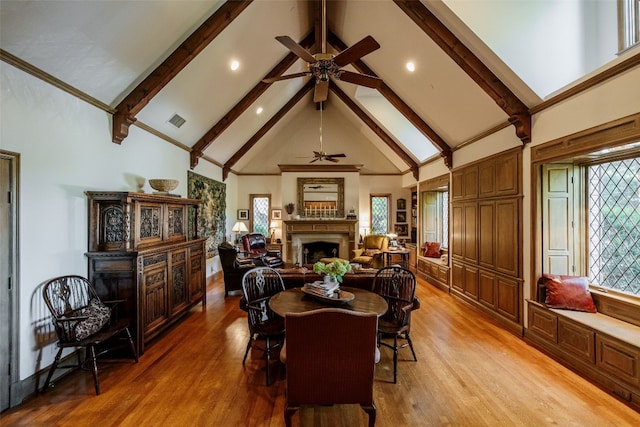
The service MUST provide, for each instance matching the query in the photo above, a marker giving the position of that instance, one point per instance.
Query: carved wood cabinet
(486, 236)
(143, 249)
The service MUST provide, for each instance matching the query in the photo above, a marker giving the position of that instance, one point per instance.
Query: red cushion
(432, 250)
(569, 292)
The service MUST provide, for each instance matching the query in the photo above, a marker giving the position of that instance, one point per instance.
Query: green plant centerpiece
(335, 270)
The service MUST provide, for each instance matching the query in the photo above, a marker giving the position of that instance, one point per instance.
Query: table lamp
(239, 227)
(273, 226)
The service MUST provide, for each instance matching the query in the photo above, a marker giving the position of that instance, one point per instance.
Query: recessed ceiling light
(259, 110)
(234, 65)
(411, 66)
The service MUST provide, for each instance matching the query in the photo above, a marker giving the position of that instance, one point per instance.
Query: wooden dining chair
(397, 285)
(258, 286)
(330, 355)
(82, 320)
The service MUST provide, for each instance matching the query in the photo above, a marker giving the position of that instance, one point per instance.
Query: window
(260, 208)
(590, 215)
(629, 23)
(380, 204)
(614, 225)
(435, 217)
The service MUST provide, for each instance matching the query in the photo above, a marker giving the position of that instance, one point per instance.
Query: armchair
(255, 245)
(370, 254)
(233, 268)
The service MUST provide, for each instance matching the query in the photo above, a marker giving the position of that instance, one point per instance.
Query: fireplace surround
(340, 232)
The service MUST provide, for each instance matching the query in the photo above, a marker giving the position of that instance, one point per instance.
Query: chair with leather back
(397, 286)
(255, 245)
(233, 268)
(259, 285)
(80, 319)
(370, 255)
(330, 358)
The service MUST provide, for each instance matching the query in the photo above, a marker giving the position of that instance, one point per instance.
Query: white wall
(65, 149)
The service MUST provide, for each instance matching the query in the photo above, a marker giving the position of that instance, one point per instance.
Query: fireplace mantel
(344, 229)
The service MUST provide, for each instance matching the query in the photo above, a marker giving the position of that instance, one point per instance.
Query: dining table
(294, 300)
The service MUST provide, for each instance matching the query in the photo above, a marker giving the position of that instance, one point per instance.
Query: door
(7, 277)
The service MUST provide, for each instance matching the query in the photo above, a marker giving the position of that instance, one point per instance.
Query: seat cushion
(98, 316)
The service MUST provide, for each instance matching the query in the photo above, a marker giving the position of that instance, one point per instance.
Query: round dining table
(295, 301)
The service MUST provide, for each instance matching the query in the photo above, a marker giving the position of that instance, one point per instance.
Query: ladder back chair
(82, 320)
(397, 285)
(258, 286)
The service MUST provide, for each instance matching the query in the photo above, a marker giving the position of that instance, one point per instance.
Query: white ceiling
(106, 48)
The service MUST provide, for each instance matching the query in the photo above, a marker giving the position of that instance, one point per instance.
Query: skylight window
(396, 124)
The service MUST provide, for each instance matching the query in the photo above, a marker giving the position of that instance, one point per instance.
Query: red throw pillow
(569, 292)
(432, 249)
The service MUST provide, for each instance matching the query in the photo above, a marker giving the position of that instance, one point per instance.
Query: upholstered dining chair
(330, 356)
(258, 286)
(81, 319)
(397, 286)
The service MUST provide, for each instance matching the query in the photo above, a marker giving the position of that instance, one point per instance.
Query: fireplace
(334, 234)
(313, 252)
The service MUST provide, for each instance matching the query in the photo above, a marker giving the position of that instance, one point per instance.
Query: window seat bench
(603, 347)
(434, 270)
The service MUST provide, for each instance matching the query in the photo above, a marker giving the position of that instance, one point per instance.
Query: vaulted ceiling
(144, 62)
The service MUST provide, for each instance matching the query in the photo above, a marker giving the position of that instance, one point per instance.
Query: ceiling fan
(321, 155)
(324, 65)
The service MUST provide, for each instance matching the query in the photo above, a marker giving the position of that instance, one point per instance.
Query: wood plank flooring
(470, 372)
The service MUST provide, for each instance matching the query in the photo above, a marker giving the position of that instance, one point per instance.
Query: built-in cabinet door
(457, 276)
(457, 231)
(471, 281)
(470, 234)
(178, 288)
(487, 291)
(507, 236)
(487, 233)
(508, 297)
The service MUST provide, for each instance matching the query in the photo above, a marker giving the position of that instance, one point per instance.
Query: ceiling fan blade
(361, 79)
(285, 77)
(331, 159)
(296, 48)
(321, 91)
(357, 51)
(315, 160)
(336, 155)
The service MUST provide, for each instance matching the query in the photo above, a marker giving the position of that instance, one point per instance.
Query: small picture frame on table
(243, 214)
(276, 213)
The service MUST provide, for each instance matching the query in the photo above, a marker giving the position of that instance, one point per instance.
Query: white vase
(328, 279)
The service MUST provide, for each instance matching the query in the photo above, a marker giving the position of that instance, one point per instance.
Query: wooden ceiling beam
(518, 112)
(399, 104)
(267, 126)
(245, 102)
(376, 129)
(135, 101)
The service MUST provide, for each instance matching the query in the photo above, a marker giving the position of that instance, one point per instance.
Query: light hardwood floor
(470, 372)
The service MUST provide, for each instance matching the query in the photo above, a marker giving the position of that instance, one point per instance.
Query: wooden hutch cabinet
(143, 249)
(486, 236)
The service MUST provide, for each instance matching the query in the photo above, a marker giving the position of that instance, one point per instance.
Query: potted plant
(289, 207)
(332, 271)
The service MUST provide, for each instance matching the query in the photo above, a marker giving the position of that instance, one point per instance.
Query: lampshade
(274, 224)
(239, 227)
